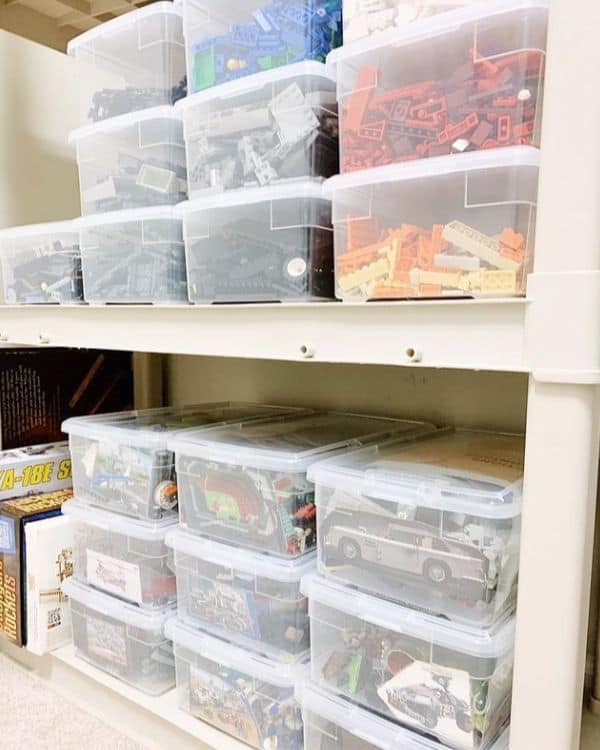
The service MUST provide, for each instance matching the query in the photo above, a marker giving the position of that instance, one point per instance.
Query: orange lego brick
(512, 239)
(361, 232)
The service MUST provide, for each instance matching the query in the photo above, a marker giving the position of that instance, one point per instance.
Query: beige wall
(38, 176)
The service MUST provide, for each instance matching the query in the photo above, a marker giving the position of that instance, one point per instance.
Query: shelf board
(464, 334)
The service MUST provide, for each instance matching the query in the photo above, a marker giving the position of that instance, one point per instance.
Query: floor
(34, 717)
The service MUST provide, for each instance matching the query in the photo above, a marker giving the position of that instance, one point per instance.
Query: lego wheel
(349, 550)
(437, 572)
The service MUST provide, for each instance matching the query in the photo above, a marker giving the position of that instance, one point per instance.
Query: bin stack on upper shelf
(245, 543)
(123, 590)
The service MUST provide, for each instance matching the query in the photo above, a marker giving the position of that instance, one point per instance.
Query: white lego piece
(461, 144)
(101, 191)
(156, 178)
(481, 245)
(238, 120)
(294, 117)
(458, 262)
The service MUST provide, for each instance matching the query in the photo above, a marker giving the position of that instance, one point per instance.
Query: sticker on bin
(333, 723)
(246, 483)
(450, 682)
(121, 556)
(41, 263)
(245, 37)
(245, 695)
(433, 89)
(121, 639)
(444, 227)
(247, 597)
(131, 161)
(434, 524)
(121, 461)
(281, 125)
(260, 245)
(130, 63)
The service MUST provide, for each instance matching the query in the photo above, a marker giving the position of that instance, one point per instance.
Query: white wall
(38, 176)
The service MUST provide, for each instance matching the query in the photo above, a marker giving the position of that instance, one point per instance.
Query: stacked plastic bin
(245, 543)
(261, 133)
(131, 157)
(123, 590)
(411, 614)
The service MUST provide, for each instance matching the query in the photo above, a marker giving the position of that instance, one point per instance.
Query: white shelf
(480, 334)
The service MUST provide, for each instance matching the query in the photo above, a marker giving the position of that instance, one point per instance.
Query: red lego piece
(373, 131)
(481, 133)
(361, 232)
(451, 132)
(524, 130)
(503, 129)
(365, 84)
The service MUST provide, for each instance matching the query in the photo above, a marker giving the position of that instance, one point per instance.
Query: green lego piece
(354, 673)
(204, 73)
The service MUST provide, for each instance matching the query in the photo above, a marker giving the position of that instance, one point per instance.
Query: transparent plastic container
(436, 228)
(246, 483)
(224, 42)
(248, 598)
(271, 244)
(131, 161)
(456, 82)
(333, 723)
(277, 126)
(434, 524)
(121, 462)
(135, 256)
(449, 682)
(41, 263)
(245, 695)
(132, 62)
(121, 639)
(125, 558)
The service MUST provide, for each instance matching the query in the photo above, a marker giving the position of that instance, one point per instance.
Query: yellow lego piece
(499, 282)
(364, 275)
(478, 244)
(418, 277)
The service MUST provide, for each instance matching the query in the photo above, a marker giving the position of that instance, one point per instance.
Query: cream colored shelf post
(563, 420)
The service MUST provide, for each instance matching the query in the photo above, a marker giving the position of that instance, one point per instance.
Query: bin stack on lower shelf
(123, 590)
(245, 543)
(412, 611)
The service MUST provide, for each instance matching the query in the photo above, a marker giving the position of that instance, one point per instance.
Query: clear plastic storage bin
(260, 245)
(459, 82)
(246, 483)
(131, 161)
(135, 256)
(277, 126)
(228, 41)
(125, 558)
(122, 639)
(333, 723)
(121, 461)
(246, 695)
(449, 682)
(132, 62)
(249, 598)
(445, 227)
(41, 263)
(434, 524)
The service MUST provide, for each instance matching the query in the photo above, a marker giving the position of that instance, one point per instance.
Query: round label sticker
(296, 267)
(165, 495)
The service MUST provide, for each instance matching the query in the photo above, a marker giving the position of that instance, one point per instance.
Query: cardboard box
(48, 562)
(34, 469)
(14, 515)
(39, 388)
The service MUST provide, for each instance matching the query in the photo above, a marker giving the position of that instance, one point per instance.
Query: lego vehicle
(408, 547)
(428, 704)
(433, 523)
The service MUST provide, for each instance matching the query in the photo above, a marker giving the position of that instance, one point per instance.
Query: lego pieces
(411, 261)
(479, 104)
(275, 34)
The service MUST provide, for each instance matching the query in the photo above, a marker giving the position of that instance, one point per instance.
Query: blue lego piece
(244, 34)
(260, 18)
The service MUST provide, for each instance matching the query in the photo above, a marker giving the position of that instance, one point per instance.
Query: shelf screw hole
(412, 354)
(307, 351)
(44, 338)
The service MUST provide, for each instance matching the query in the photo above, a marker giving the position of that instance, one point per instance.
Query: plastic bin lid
(147, 531)
(108, 28)
(127, 215)
(485, 644)
(368, 726)
(36, 230)
(151, 427)
(246, 561)
(471, 161)
(120, 122)
(255, 82)
(431, 26)
(479, 473)
(290, 443)
(115, 608)
(312, 189)
(282, 674)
